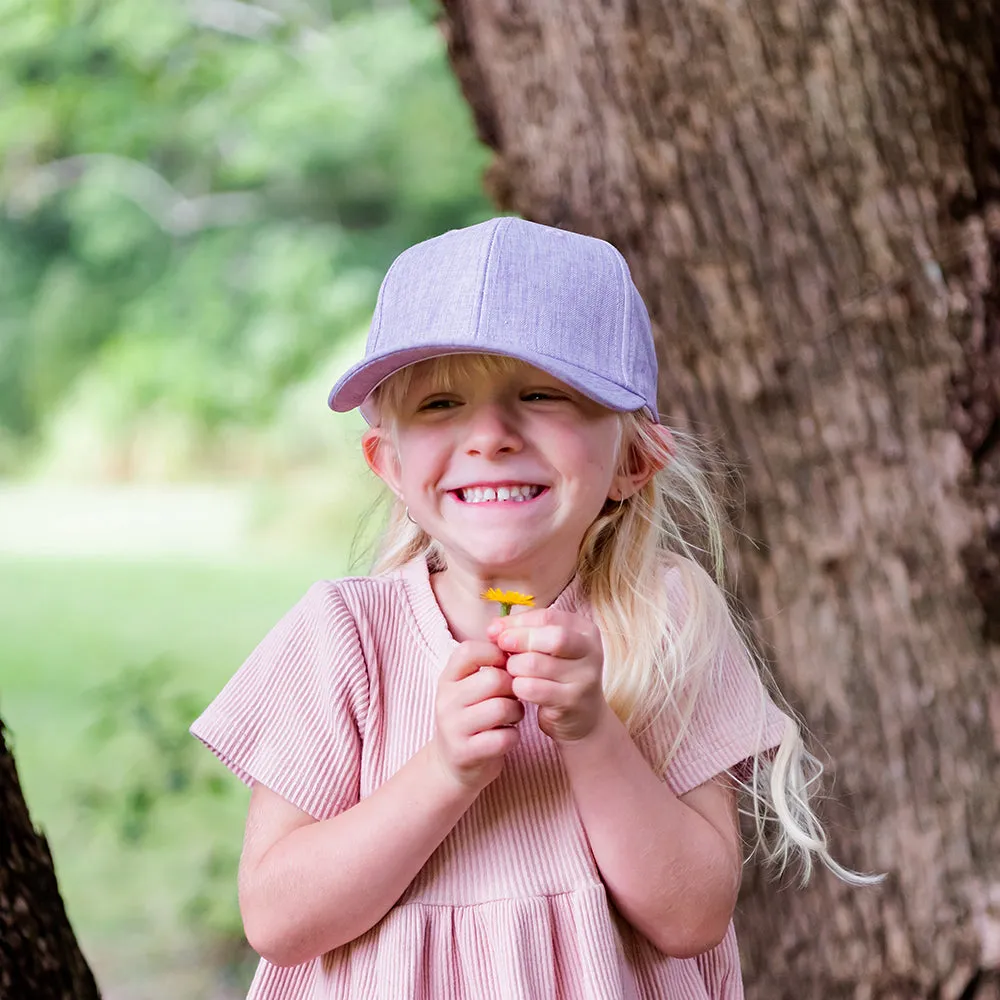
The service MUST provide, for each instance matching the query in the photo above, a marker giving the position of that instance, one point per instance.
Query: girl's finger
(552, 668)
(492, 714)
(555, 640)
(544, 692)
(535, 618)
(494, 742)
(469, 656)
(485, 683)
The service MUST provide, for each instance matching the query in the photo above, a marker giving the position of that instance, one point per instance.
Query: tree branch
(247, 20)
(173, 211)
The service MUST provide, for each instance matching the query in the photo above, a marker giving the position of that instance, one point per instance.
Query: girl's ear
(380, 454)
(666, 441)
(641, 464)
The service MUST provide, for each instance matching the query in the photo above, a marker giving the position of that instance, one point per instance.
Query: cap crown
(558, 300)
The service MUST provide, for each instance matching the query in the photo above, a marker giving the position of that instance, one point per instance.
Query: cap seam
(376, 327)
(626, 325)
(482, 284)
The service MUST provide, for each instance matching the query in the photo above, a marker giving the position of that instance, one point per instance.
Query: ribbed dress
(340, 695)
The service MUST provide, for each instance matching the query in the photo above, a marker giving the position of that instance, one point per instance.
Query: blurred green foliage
(198, 199)
(144, 823)
(142, 717)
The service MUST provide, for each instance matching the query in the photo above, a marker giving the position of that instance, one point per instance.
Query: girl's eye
(540, 394)
(437, 404)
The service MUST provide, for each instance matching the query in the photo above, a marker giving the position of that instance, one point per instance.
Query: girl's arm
(307, 886)
(671, 864)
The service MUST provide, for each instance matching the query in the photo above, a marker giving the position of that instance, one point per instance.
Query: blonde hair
(655, 662)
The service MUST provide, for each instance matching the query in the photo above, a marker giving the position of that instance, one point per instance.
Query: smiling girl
(448, 803)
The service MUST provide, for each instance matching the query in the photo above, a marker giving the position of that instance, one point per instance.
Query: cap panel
(433, 290)
(556, 294)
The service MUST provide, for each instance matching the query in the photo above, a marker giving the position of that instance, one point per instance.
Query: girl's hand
(475, 714)
(556, 661)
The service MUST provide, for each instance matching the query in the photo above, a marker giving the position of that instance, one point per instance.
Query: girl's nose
(491, 431)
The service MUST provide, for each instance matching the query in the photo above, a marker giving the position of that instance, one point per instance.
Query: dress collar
(430, 619)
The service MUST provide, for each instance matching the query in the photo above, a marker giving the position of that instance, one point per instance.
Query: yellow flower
(507, 599)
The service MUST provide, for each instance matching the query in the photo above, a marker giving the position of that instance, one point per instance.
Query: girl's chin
(507, 566)
(500, 567)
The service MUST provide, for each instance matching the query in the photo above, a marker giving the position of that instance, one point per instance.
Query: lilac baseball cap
(560, 301)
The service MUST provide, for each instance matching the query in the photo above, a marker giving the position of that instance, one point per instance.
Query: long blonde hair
(656, 660)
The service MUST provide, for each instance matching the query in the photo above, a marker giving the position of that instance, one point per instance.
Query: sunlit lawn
(68, 626)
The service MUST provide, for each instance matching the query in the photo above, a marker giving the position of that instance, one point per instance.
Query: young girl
(452, 803)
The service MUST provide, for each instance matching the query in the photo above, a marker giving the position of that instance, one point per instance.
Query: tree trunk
(809, 196)
(39, 956)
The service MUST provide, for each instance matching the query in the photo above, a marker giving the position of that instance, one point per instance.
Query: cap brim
(357, 384)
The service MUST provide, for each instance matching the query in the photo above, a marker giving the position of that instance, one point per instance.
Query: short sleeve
(292, 717)
(732, 718)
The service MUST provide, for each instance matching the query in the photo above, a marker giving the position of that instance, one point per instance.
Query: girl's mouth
(499, 494)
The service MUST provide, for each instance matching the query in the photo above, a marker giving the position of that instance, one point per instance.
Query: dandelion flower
(507, 599)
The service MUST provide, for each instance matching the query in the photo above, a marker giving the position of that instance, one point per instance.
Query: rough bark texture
(808, 192)
(39, 956)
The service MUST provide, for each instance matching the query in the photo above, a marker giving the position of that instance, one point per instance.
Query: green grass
(66, 629)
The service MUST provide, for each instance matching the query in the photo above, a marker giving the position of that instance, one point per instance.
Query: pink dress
(339, 696)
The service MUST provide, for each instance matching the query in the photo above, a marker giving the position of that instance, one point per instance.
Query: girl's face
(506, 468)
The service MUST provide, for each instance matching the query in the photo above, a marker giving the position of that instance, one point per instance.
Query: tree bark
(39, 955)
(808, 194)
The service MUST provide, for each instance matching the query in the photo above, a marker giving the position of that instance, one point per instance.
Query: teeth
(485, 494)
